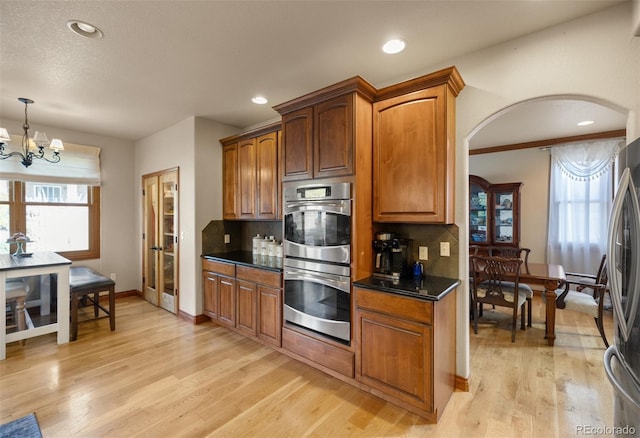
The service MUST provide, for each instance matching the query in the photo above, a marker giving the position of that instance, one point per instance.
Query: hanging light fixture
(32, 148)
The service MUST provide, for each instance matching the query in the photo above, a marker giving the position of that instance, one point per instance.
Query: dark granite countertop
(247, 258)
(37, 259)
(426, 288)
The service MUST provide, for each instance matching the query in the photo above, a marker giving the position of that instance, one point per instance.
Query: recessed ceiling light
(585, 123)
(259, 100)
(393, 46)
(84, 29)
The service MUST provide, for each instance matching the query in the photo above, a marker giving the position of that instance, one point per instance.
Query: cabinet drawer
(260, 276)
(319, 352)
(228, 269)
(396, 305)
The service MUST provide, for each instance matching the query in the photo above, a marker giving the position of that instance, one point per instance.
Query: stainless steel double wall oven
(317, 250)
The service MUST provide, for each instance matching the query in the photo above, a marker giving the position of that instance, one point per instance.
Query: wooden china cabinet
(494, 213)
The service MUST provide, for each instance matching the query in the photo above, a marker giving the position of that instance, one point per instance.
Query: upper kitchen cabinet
(323, 131)
(251, 169)
(414, 149)
(230, 181)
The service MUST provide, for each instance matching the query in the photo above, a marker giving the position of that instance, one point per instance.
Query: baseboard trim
(128, 293)
(104, 296)
(462, 384)
(195, 320)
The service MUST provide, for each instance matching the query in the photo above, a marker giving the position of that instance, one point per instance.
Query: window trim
(18, 219)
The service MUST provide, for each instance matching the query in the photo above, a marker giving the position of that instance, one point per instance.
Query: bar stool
(16, 291)
(85, 284)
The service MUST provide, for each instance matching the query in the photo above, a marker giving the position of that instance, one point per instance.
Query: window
(59, 217)
(580, 198)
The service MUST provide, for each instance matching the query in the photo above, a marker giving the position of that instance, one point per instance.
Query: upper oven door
(319, 230)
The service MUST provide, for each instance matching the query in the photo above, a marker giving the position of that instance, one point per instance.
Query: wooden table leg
(74, 317)
(112, 308)
(550, 299)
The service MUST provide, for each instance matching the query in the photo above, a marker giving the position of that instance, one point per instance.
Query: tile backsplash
(429, 236)
(242, 232)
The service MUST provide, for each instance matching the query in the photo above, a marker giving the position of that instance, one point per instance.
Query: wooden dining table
(549, 276)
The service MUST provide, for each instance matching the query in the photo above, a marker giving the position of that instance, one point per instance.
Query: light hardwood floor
(158, 376)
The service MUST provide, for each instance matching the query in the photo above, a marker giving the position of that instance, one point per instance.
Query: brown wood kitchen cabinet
(251, 169)
(219, 284)
(230, 181)
(323, 130)
(405, 349)
(246, 299)
(414, 149)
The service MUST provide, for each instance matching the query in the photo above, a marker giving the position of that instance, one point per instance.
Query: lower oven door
(318, 301)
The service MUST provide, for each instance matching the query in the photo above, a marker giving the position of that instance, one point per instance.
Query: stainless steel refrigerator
(622, 358)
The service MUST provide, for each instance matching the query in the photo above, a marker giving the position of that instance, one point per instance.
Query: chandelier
(32, 148)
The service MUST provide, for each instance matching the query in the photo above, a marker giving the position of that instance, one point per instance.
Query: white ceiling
(164, 61)
(547, 119)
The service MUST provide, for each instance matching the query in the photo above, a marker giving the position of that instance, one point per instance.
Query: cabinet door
(168, 221)
(247, 178)
(247, 307)
(413, 159)
(267, 175)
(227, 301)
(479, 213)
(230, 181)
(506, 213)
(333, 137)
(160, 242)
(270, 315)
(395, 357)
(297, 130)
(210, 288)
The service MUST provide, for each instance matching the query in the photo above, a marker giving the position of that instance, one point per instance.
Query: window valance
(78, 165)
(586, 160)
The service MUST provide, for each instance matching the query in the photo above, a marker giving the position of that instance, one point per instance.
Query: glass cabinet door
(478, 214)
(160, 255)
(150, 240)
(169, 227)
(503, 217)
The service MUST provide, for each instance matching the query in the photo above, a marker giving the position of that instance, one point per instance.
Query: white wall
(594, 56)
(208, 185)
(184, 145)
(117, 201)
(531, 167)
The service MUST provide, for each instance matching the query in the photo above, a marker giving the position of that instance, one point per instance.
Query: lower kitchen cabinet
(248, 300)
(247, 305)
(395, 357)
(405, 349)
(270, 321)
(211, 290)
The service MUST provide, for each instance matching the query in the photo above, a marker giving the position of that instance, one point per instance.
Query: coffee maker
(390, 256)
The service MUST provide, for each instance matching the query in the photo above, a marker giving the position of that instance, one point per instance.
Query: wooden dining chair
(510, 252)
(587, 294)
(496, 281)
(518, 253)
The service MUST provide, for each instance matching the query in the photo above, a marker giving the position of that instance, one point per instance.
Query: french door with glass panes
(160, 239)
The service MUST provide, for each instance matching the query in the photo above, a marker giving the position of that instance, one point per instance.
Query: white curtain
(78, 165)
(580, 198)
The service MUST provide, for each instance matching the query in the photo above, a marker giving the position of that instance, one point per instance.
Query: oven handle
(330, 280)
(343, 208)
